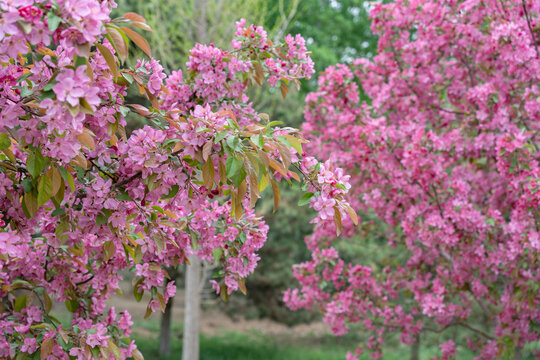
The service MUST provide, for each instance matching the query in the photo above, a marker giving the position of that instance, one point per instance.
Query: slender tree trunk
(415, 349)
(190, 349)
(165, 330)
(192, 303)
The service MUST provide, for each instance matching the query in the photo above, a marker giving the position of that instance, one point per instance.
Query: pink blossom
(448, 349)
(97, 336)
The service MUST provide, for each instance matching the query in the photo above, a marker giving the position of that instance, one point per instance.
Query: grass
(238, 346)
(258, 346)
(243, 346)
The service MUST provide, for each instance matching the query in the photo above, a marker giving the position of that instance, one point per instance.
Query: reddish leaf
(277, 194)
(206, 149)
(46, 348)
(138, 39)
(134, 17)
(337, 220)
(118, 42)
(208, 174)
(140, 109)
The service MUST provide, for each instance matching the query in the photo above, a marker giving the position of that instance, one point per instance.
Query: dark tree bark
(165, 330)
(166, 318)
(415, 349)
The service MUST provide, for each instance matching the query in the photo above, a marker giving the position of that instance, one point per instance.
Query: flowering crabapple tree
(81, 200)
(446, 157)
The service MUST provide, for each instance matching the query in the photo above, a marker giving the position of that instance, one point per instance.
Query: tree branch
(530, 28)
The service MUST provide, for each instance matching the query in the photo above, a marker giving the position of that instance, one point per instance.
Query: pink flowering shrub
(446, 157)
(81, 201)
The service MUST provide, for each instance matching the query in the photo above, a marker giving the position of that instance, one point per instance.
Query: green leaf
(138, 293)
(305, 199)
(232, 124)
(102, 218)
(234, 143)
(172, 192)
(223, 293)
(61, 229)
(124, 110)
(114, 349)
(45, 189)
(67, 177)
(283, 140)
(123, 196)
(95, 352)
(239, 176)
(258, 140)
(4, 141)
(513, 164)
(23, 78)
(194, 241)
(242, 237)
(232, 165)
(20, 303)
(27, 184)
(53, 21)
(57, 212)
(129, 79)
(109, 58)
(221, 135)
(72, 305)
(48, 87)
(35, 164)
(217, 252)
(159, 209)
(129, 251)
(274, 123)
(79, 61)
(25, 92)
(160, 242)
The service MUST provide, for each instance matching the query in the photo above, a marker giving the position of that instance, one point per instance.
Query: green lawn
(237, 346)
(257, 346)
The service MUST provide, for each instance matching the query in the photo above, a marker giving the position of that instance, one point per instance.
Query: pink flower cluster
(82, 201)
(72, 86)
(445, 165)
(77, 24)
(155, 74)
(328, 186)
(292, 62)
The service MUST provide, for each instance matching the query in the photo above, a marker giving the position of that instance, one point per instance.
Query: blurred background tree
(178, 25)
(336, 31)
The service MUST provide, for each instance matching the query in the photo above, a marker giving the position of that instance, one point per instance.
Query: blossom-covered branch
(81, 200)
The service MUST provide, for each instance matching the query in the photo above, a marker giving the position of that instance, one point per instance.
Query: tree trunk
(192, 303)
(415, 349)
(190, 349)
(165, 330)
